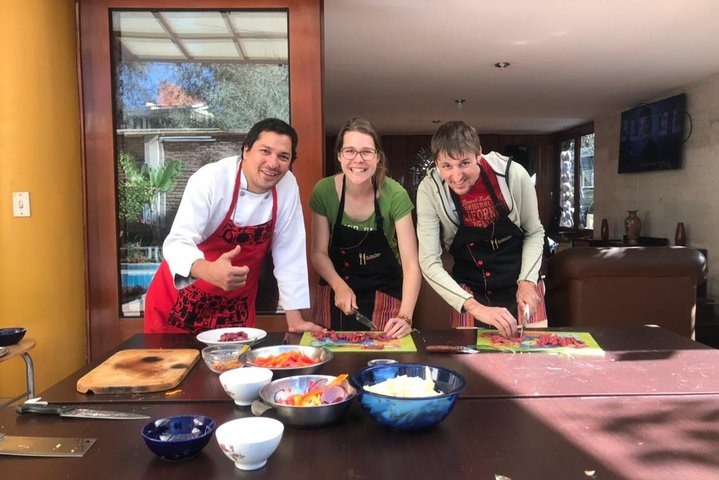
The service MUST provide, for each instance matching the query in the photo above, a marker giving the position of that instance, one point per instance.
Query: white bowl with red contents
(232, 336)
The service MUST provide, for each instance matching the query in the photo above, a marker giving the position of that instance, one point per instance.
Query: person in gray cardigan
(482, 209)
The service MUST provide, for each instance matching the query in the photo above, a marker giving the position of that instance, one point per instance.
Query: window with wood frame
(181, 119)
(576, 182)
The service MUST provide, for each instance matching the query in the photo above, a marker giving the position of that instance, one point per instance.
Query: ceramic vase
(680, 237)
(604, 231)
(632, 227)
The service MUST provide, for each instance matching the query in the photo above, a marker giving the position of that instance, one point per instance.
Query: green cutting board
(404, 344)
(490, 340)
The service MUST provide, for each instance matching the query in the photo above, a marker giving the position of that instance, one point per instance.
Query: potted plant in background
(140, 203)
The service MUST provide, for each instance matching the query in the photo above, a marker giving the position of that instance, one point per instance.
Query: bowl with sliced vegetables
(306, 400)
(407, 396)
(288, 360)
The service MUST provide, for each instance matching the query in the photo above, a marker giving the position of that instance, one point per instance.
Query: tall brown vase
(680, 237)
(632, 227)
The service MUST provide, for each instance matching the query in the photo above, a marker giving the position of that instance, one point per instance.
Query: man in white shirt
(232, 214)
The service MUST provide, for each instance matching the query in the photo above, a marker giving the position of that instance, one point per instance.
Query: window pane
(187, 87)
(586, 182)
(566, 184)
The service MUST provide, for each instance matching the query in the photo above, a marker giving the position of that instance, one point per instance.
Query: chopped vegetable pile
(223, 367)
(233, 336)
(317, 393)
(403, 386)
(543, 340)
(350, 337)
(294, 358)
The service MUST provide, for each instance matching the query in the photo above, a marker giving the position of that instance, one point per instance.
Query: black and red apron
(202, 306)
(365, 261)
(487, 260)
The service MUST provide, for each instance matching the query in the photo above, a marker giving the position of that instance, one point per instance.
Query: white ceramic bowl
(243, 385)
(249, 442)
(212, 337)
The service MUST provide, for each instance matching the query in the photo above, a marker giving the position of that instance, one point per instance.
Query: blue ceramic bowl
(179, 437)
(10, 336)
(410, 413)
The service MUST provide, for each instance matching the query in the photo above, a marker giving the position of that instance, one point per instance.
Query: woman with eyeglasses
(364, 244)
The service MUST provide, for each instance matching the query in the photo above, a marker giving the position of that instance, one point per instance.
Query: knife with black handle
(70, 411)
(452, 349)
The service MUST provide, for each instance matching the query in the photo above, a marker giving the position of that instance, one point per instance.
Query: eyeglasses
(367, 154)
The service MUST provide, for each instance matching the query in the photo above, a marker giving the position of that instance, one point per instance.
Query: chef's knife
(525, 320)
(70, 411)
(365, 321)
(44, 446)
(452, 348)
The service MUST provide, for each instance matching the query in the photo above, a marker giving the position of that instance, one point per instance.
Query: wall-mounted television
(652, 135)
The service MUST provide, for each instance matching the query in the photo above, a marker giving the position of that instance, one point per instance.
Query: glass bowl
(221, 358)
(408, 413)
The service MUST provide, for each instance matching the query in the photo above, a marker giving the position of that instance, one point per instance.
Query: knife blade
(452, 348)
(44, 446)
(365, 321)
(73, 412)
(525, 320)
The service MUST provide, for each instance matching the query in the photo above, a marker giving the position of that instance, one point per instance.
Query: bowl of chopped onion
(288, 360)
(407, 396)
(306, 400)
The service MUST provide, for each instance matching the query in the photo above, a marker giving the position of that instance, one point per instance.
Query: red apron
(202, 306)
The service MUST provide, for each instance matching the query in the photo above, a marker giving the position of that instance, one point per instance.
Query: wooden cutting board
(140, 370)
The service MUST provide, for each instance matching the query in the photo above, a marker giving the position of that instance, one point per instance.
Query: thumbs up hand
(221, 272)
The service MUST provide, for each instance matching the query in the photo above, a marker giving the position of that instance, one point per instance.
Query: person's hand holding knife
(527, 296)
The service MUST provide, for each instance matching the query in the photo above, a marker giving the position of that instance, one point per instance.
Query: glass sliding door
(187, 86)
(168, 86)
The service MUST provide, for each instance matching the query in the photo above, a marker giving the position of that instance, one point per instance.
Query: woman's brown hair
(362, 125)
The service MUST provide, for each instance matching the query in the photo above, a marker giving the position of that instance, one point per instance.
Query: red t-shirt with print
(477, 204)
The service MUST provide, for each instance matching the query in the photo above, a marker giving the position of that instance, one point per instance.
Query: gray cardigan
(436, 215)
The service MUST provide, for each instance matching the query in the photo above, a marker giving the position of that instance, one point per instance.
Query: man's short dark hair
(454, 139)
(274, 125)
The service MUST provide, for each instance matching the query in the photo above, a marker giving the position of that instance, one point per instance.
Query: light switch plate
(21, 204)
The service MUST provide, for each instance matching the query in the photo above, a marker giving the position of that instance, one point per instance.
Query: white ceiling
(402, 63)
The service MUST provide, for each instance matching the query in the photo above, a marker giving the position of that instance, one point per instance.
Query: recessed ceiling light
(436, 121)
(502, 65)
(460, 103)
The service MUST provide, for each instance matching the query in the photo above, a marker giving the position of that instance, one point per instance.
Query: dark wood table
(632, 437)
(647, 409)
(637, 361)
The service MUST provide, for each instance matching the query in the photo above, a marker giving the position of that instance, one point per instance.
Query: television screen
(651, 136)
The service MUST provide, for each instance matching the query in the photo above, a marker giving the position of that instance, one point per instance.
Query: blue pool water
(137, 274)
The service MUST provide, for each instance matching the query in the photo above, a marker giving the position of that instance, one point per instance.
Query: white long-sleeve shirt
(206, 201)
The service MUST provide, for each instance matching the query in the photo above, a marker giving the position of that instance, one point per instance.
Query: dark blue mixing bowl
(10, 336)
(179, 437)
(413, 413)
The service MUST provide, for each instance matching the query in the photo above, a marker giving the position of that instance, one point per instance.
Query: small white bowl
(250, 441)
(243, 385)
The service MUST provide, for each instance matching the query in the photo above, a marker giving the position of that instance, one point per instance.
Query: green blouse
(394, 203)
